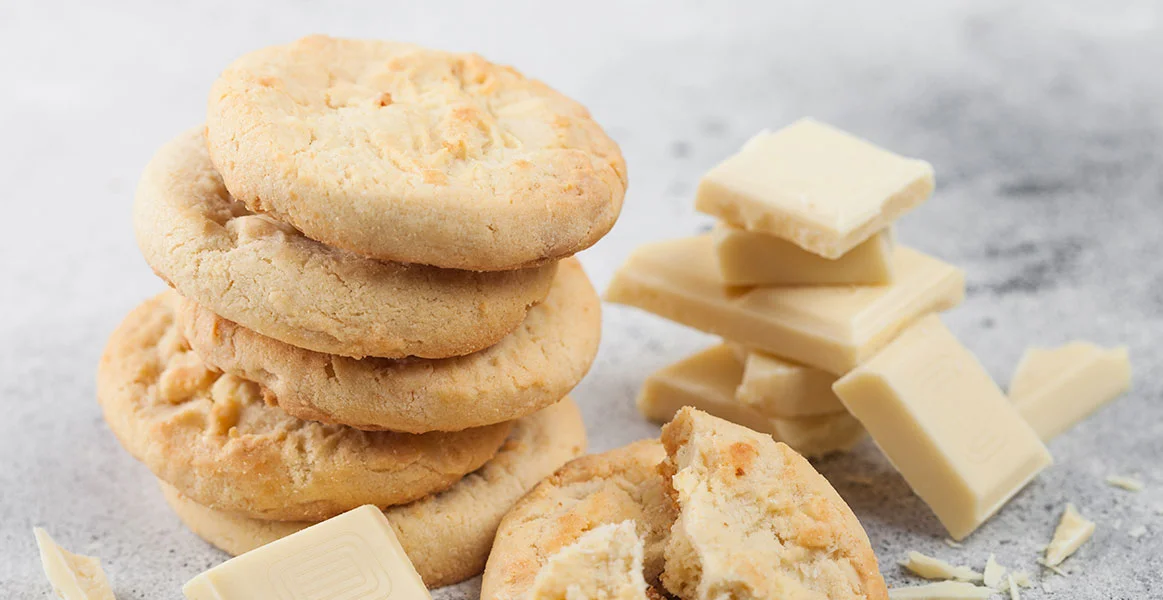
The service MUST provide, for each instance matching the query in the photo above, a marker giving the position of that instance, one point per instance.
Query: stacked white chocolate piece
(830, 327)
(801, 276)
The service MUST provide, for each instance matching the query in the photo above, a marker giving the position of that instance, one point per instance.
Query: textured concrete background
(1044, 122)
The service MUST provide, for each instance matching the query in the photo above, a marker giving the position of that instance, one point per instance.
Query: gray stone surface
(1044, 121)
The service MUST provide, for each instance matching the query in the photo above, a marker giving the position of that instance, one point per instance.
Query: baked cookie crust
(414, 155)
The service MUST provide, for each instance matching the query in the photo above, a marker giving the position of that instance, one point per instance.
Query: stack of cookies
(801, 277)
(373, 300)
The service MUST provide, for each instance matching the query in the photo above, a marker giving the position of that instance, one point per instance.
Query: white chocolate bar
(747, 258)
(942, 421)
(832, 328)
(1056, 388)
(707, 381)
(780, 389)
(820, 188)
(353, 556)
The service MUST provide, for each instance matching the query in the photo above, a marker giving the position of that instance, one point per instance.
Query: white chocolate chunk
(831, 328)
(353, 555)
(707, 381)
(1022, 578)
(782, 389)
(1056, 388)
(944, 424)
(1072, 531)
(993, 573)
(72, 576)
(818, 187)
(945, 590)
(747, 258)
(952, 544)
(935, 568)
(1127, 483)
(605, 563)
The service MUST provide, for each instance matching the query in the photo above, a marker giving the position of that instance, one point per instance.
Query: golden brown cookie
(265, 275)
(447, 535)
(407, 154)
(755, 520)
(530, 368)
(591, 491)
(215, 438)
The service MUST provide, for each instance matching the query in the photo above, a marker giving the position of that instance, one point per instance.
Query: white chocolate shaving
(1072, 531)
(945, 590)
(993, 573)
(935, 568)
(1127, 483)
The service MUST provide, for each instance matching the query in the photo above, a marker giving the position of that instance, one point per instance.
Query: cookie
(605, 563)
(412, 155)
(265, 275)
(448, 535)
(215, 438)
(532, 367)
(755, 520)
(591, 491)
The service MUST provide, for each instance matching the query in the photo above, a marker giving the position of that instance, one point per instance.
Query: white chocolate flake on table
(944, 590)
(1073, 530)
(1014, 595)
(993, 573)
(1130, 484)
(935, 568)
(72, 576)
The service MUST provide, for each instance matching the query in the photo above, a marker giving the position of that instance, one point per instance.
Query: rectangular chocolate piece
(781, 389)
(353, 556)
(1055, 388)
(707, 381)
(747, 258)
(942, 421)
(832, 328)
(815, 186)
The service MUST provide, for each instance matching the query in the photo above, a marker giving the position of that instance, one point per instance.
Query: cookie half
(533, 367)
(612, 487)
(723, 511)
(265, 275)
(755, 520)
(408, 154)
(448, 535)
(214, 436)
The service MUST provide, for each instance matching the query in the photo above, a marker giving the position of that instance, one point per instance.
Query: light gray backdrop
(1043, 119)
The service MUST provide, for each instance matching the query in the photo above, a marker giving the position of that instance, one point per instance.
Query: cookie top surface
(265, 275)
(448, 535)
(215, 438)
(414, 155)
(590, 491)
(755, 520)
(536, 365)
